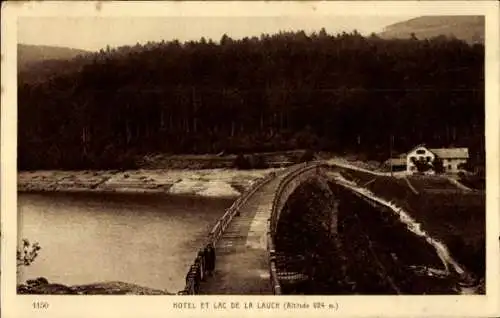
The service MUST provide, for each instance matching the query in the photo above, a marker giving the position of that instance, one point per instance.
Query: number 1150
(40, 305)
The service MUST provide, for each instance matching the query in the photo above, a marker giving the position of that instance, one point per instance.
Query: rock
(117, 288)
(37, 282)
(41, 286)
(42, 280)
(52, 289)
(44, 289)
(22, 289)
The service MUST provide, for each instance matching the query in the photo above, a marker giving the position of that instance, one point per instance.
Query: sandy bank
(207, 182)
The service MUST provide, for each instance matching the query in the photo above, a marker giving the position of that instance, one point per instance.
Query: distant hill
(27, 54)
(38, 62)
(466, 28)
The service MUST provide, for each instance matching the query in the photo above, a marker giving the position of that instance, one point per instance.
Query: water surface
(149, 240)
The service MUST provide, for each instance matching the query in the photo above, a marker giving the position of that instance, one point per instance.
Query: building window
(428, 158)
(420, 152)
(449, 167)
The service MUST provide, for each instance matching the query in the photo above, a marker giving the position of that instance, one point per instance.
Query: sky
(94, 33)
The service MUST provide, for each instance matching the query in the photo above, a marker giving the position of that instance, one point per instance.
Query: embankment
(374, 250)
(208, 182)
(449, 214)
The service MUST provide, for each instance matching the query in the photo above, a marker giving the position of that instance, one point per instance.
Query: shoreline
(179, 175)
(218, 183)
(123, 193)
(41, 286)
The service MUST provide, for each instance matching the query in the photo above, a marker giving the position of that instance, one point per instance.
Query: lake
(148, 240)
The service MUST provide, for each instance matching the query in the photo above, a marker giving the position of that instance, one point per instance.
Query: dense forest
(341, 93)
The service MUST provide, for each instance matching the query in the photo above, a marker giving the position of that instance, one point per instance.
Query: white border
(162, 306)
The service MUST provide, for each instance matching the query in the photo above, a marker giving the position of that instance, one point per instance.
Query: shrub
(421, 165)
(307, 156)
(259, 162)
(438, 165)
(28, 253)
(467, 166)
(241, 162)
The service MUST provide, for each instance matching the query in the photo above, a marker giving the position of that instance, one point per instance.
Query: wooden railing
(293, 173)
(205, 260)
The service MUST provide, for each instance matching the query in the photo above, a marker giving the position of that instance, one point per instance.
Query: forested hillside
(27, 54)
(55, 59)
(340, 92)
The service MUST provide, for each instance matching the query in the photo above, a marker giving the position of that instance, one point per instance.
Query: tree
(467, 166)
(307, 156)
(259, 162)
(421, 165)
(225, 40)
(28, 253)
(241, 162)
(438, 165)
(322, 33)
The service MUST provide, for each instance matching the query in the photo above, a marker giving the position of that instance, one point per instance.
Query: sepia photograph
(312, 155)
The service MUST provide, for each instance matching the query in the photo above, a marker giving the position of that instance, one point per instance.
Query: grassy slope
(447, 213)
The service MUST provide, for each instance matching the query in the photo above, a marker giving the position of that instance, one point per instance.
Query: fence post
(272, 268)
(277, 290)
(210, 258)
(197, 279)
(201, 257)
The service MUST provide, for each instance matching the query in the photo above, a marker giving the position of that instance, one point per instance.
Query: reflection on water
(149, 240)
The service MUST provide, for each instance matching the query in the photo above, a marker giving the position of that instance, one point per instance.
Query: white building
(451, 158)
(419, 153)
